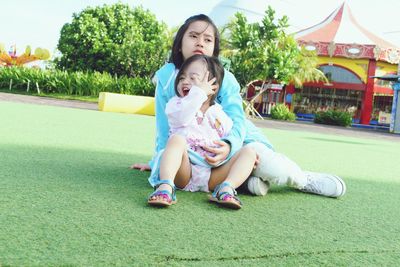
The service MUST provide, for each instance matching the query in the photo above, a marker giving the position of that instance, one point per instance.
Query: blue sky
(38, 22)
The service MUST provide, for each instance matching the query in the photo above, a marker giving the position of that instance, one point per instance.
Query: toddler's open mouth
(185, 91)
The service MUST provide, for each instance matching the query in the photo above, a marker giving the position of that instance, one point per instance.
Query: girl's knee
(249, 152)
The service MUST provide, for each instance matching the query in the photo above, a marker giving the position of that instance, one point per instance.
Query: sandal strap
(162, 193)
(168, 182)
(218, 188)
(172, 195)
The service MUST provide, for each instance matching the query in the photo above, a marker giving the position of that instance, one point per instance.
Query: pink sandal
(167, 198)
(226, 199)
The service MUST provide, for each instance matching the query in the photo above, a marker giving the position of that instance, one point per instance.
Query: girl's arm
(165, 77)
(232, 103)
(162, 128)
(182, 110)
(220, 120)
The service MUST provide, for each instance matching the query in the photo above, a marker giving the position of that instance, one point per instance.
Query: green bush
(113, 38)
(73, 83)
(282, 112)
(333, 117)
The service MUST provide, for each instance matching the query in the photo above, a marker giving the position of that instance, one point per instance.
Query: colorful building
(349, 55)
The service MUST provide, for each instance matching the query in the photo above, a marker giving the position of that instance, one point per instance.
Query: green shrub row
(333, 117)
(72, 83)
(282, 112)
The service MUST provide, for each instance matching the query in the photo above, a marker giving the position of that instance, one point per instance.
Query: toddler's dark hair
(214, 67)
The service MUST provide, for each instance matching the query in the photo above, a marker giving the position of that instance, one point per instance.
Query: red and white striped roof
(341, 35)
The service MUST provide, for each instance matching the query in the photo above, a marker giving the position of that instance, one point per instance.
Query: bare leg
(235, 171)
(175, 165)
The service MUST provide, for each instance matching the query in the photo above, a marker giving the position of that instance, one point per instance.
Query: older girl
(199, 35)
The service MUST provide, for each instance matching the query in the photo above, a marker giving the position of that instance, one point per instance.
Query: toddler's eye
(194, 76)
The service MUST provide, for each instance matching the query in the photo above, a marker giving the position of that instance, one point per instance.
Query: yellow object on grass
(126, 103)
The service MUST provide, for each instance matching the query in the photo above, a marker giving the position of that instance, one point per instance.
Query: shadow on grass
(80, 207)
(88, 172)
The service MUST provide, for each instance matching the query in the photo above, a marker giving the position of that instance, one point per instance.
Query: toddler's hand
(209, 87)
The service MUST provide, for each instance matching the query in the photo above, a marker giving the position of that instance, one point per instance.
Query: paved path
(267, 123)
(39, 100)
(328, 129)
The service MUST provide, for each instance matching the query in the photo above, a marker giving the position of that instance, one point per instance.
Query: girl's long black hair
(176, 53)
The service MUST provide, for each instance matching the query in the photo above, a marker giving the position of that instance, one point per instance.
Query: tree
(115, 39)
(263, 51)
(307, 69)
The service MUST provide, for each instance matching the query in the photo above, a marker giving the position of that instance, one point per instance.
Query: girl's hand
(256, 162)
(221, 152)
(209, 87)
(140, 166)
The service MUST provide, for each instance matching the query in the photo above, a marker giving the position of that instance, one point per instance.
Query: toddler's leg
(174, 169)
(236, 170)
(175, 164)
(226, 178)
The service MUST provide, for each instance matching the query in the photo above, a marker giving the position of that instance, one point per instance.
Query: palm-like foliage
(307, 69)
(264, 51)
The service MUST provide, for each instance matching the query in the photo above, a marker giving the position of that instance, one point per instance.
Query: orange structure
(11, 58)
(349, 55)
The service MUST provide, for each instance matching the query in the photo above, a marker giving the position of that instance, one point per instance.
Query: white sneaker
(324, 184)
(256, 186)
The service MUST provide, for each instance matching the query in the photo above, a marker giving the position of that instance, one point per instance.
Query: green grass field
(67, 198)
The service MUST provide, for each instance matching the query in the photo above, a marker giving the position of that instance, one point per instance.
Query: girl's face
(196, 69)
(199, 38)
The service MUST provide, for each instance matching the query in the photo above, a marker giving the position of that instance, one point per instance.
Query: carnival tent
(341, 35)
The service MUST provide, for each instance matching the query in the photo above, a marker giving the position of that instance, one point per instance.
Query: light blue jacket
(229, 98)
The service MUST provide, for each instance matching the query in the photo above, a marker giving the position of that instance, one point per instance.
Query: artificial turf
(68, 198)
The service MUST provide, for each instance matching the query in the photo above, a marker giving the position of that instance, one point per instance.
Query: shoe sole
(226, 204)
(343, 186)
(336, 178)
(260, 188)
(161, 204)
